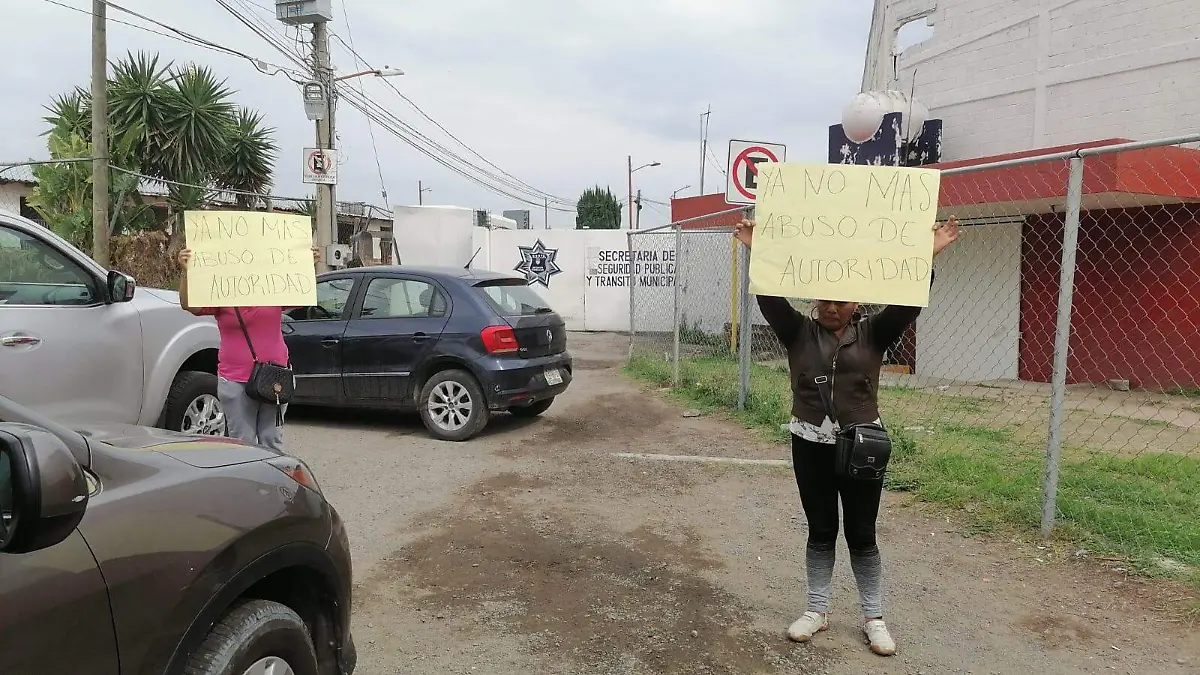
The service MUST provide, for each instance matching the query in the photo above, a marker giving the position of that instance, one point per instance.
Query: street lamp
(631, 170)
(675, 192)
(377, 72)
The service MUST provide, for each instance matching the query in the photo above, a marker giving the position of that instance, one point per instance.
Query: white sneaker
(879, 638)
(806, 626)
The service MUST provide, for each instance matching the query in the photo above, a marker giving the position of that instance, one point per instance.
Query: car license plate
(553, 377)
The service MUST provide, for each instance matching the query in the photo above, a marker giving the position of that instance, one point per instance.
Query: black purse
(861, 451)
(269, 382)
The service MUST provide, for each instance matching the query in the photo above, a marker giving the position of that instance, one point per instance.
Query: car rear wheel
(256, 638)
(192, 405)
(452, 406)
(533, 409)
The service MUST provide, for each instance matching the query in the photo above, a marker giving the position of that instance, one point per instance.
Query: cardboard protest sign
(250, 259)
(844, 232)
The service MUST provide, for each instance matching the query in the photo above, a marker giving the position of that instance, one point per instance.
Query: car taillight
(499, 340)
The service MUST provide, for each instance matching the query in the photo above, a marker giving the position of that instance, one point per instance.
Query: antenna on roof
(468, 265)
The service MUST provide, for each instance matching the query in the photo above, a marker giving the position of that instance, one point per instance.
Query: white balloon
(897, 101)
(862, 117)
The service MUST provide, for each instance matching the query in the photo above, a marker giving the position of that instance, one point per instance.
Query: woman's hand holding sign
(944, 234)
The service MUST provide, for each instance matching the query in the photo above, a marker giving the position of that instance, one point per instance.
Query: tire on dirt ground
(193, 396)
(452, 406)
(253, 636)
(533, 409)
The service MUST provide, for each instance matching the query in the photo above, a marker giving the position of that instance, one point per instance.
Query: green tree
(598, 209)
(63, 195)
(171, 123)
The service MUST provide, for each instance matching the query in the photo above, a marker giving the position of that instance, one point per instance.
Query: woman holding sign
(839, 448)
(251, 352)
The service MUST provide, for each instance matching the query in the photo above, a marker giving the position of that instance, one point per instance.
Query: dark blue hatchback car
(452, 344)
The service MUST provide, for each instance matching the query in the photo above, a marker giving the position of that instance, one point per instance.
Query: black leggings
(819, 491)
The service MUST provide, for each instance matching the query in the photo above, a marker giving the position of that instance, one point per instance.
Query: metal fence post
(1062, 338)
(632, 314)
(678, 306)
(745, 335)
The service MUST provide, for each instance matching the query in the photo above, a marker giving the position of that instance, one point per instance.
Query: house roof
(1126, 179)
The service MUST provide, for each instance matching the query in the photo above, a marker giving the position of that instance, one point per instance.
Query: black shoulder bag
(269, 382)
(861, 451)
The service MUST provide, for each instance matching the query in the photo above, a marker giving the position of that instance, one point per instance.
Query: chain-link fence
(1054, 379)
(686, 322)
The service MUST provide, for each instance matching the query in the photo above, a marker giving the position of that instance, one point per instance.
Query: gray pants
(248, 419)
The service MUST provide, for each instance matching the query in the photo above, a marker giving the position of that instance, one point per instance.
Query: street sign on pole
(742, 171)
(320, 166)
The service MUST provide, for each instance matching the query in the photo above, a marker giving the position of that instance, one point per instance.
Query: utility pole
(630, 192)
(545, 213)
(638, 201)
(100, 231)
(704, 144)
(326, 233)
(421, 190)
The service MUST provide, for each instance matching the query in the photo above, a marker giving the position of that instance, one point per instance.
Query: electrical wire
(715, 163)
(370, 124)
(179, 36)
(448, 133)
(389, 121)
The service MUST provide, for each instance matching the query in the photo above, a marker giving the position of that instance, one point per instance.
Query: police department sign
(537, 263)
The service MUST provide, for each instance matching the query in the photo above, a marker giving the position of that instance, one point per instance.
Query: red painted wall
(692, 207)
(1136, 307)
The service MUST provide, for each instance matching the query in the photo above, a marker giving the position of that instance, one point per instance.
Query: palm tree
(179, 125)
(249, 157)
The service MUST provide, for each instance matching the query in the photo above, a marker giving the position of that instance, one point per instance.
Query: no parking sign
(741, 183)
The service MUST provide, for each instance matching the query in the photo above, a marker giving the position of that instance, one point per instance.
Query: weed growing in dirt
(965, 453)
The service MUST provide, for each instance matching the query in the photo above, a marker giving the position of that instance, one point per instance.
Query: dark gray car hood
(204, 452)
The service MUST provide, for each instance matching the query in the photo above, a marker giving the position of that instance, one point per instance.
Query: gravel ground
(532, 549)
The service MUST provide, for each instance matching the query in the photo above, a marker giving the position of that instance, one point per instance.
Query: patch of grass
(1144, 508)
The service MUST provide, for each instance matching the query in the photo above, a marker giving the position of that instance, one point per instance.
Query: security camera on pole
(320, 163)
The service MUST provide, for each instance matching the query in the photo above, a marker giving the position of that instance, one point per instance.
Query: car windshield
(513, 297)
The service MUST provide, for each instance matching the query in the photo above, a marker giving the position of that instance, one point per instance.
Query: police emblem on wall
(537, 263)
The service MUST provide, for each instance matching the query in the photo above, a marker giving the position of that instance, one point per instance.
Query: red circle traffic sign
(744, 157)
(315, 166)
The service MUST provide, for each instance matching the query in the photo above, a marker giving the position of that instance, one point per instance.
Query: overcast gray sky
(555, 92)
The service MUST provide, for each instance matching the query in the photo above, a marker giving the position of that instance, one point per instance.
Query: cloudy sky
(554, 92)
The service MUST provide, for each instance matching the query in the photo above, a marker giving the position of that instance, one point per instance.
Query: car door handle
(420, 337)
(20, 341)
(329, 342)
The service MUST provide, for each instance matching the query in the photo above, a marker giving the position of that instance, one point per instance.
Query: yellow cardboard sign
(844, 232)
(250, 259)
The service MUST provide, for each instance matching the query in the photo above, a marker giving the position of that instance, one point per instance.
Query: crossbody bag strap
(245, 333)
(821, 379)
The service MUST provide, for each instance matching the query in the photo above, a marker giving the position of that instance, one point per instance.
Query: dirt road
(535, 550)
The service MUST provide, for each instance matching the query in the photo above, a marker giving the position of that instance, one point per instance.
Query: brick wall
(1014, 75)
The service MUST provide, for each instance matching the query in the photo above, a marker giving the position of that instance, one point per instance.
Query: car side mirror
(120, 287)
(43, 490)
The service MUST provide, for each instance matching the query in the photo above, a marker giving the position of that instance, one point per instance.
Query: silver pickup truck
(80, 345)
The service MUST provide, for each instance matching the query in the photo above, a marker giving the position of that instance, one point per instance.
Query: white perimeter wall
(10, 197)
(591, 291)
(971, 329)
(1013, 75)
